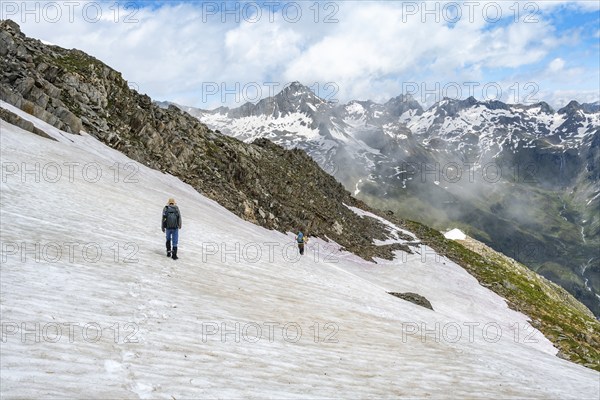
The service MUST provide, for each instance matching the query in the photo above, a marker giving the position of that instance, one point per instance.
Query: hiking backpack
(172, 218)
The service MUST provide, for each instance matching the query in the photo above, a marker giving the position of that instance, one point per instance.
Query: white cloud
(257, 47)
(556, 65)
(373, 50)
(414, 51)
(580, 5)
(561, 98)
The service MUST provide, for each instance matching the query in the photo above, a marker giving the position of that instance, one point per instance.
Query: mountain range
(524, 179)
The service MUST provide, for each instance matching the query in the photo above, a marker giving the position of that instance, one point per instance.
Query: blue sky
(196, 54)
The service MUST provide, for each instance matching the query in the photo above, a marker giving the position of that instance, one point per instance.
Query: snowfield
(92, 307)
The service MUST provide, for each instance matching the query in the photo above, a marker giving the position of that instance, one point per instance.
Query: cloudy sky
(213, 53)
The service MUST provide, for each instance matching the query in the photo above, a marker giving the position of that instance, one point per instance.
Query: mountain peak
(297, 93)
(298, 89)
(591, 107)
(469, 101)
(400, 104)
(404, 98)
(297, 85)
(451, 106)
(544, 107)
(496, 105)
(571, 107)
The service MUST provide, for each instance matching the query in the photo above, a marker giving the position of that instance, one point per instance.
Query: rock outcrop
(413, 298)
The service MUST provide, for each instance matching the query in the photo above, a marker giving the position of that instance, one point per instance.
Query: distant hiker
(301, 240)
(171, 224)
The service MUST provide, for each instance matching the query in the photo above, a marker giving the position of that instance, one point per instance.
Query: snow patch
(392, 228)
(455, 234)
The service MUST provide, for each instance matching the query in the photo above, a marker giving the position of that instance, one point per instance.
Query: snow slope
(91, 307)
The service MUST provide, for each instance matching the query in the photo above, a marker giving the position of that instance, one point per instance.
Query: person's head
(171, 202)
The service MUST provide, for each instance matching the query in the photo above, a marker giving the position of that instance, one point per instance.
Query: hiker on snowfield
(301, 239)
(171, 224)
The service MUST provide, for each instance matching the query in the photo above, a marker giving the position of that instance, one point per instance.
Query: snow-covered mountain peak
(572, 107)
(575, 107)
(297, 89)
(403, 103)
(450, 106)
(543, 107)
